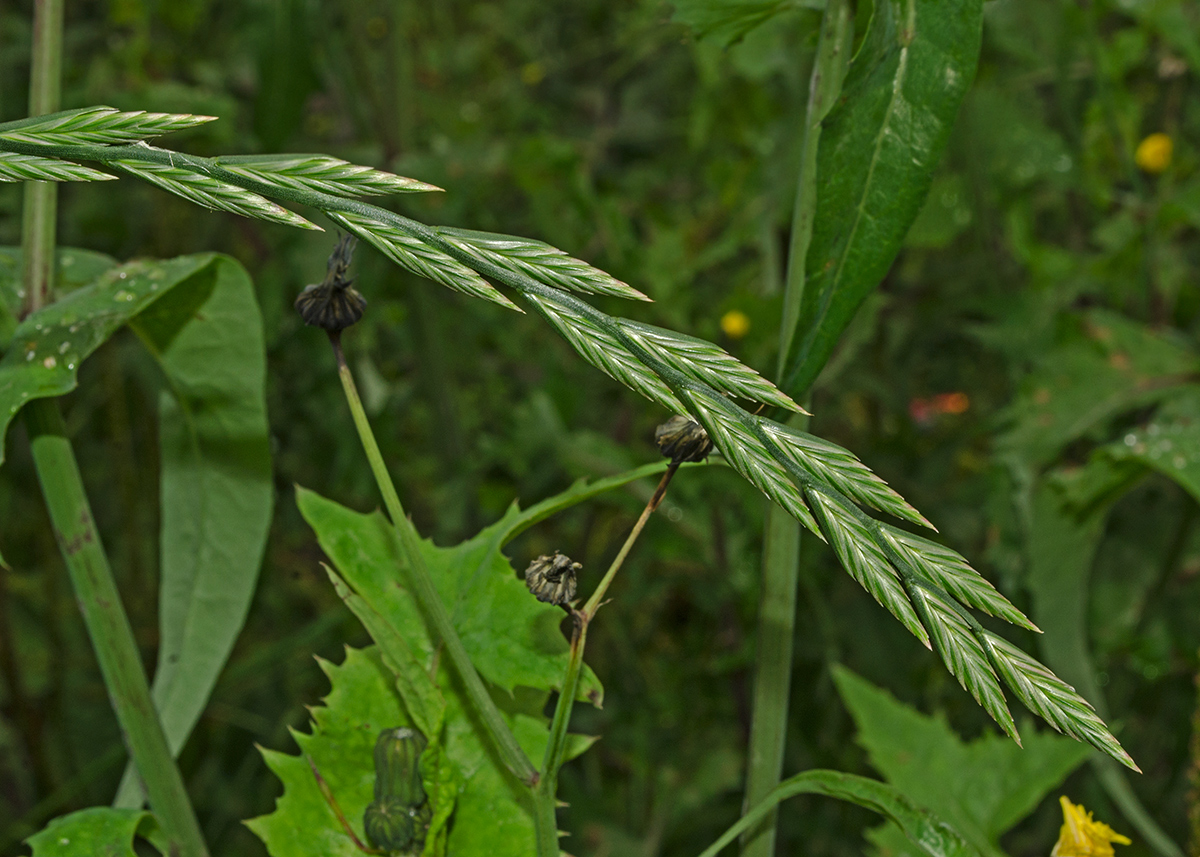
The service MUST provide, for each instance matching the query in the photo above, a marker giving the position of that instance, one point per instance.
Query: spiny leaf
(538, 260)
(748, 456)
(829, 463)
(30, 168)
(92, 125)
(417, 256)
(600, 348)
(1051, 698)
(856, 549)
(212, 193)
(948, 570)
(321, 173)
(963, 655)
(705, 362)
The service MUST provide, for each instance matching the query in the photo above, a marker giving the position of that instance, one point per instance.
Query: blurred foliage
(1050, 280)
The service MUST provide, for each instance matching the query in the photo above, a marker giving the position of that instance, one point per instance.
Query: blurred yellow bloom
(1082, 837)
(1154, 153)
(735, 324)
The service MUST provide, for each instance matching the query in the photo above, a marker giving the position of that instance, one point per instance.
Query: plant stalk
(66, 501)
(424, 590)
(41, 198)
(781, 536)
(108, 627)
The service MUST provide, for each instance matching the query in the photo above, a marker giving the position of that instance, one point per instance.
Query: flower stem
(424, 590)
(547, 788)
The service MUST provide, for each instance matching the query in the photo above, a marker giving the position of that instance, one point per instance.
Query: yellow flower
(1154, 153)
(735, 324)
(1082, 837)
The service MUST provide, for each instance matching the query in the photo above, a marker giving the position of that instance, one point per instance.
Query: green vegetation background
(609, 130)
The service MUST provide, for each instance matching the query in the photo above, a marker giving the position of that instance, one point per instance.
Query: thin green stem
(424, 590)
(41, 198)
(593, 603)
(782, 533)
(108, 626)
(547, 789)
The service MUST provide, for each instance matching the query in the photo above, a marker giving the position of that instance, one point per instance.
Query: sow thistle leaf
(1052, 699)
(831, 464)
(949, 571)
(540, 261)
(963, 655)
(600, 348)
(702, 361)
(417, 256)
(749, 456)
(98, 830)
(31, 168)
(855, 546)
(212, 193)
(321, 173)
(97, 125)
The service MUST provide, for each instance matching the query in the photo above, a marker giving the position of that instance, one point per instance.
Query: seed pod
(390, 825)
(683, 439)
(333, 304)
(552, 578)
(397, 772)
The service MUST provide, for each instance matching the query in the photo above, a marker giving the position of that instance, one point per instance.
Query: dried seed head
(683, 439)
(333, 304)
(552, 578)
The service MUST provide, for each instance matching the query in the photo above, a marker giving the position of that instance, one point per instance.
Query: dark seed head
(334, 303)
(683, 439)
(552, 578)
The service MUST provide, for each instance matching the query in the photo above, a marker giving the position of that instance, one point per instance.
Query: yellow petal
(1154, 153)
(1082, 836)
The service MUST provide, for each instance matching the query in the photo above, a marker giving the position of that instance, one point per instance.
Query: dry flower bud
(552, 578)
(333, 304)
(683, 439)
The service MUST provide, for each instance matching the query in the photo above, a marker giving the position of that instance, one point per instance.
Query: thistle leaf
(749, 456)
(30, 168)
(600, 348)
(540, 261)
(1051, 698)
(705, 362)
(831, 464)
(97, 125)
(212, 193)
(963, 656)
(417, 256)
(949, 571)
(854, 544)
(321, 173)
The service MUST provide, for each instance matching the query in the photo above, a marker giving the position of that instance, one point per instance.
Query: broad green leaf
(924, 830)
(879, 147)
(48, 346)
(216, 492)
(422, 700)
(982, 787)
(513, 639)
(73, 268)
(728, 21)
(490, 813)
(99, 831)
(1105, 366)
